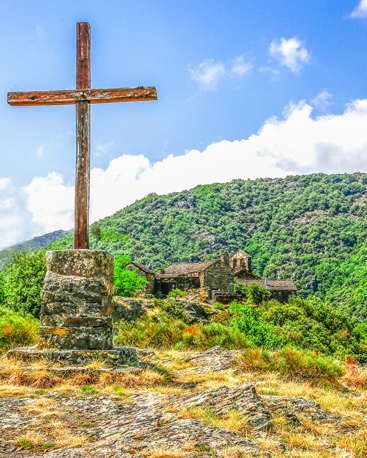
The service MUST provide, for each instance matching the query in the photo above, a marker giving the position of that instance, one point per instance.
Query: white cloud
(360, 11)
(51, 202)
(40, 151)
(209, 73)
(4, 183)
(240, 67)
(297, 143)
(10, 219)
(322, 100)
(10, 229)
(274, 71)
(7, 203)
(103, 148)
(290, 53)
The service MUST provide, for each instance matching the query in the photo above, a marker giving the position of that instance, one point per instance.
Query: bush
(164, 331)
(239, 288)
(24, 282)
(202, 337)
(248, 321)
(17, 329)
(127, 282)
(293, 363)
(310, 324)
(308, 365)
(257, 294)
(2, 288)
(161, 330)
(176, 293)
(173, 309)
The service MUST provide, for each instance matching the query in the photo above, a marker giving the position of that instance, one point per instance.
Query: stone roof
(141, 267)
(241, 252)
(272, 285)
(185, 269)
(245, 275)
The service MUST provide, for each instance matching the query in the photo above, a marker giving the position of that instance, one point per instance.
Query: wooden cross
(82, 97)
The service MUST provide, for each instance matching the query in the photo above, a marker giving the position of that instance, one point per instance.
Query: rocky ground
(177, 404)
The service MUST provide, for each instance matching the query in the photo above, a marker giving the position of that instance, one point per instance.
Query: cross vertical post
(82, 97)
(82, 180)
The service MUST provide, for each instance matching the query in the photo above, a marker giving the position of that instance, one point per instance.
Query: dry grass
(48, 427)
(52, 427)
(356, 377)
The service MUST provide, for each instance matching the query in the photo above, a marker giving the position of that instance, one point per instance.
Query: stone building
(280, 290)
(217, 277)
(142, 271)
(240, 261)
(211, 276)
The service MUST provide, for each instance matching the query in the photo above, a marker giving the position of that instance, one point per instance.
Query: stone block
(77, 302)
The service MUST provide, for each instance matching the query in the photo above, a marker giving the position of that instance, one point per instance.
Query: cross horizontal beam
(71, 97)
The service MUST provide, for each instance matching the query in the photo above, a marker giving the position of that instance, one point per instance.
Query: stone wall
(149, 289)
(218, 277)
(181, 282)
(77, 304)
(226, 298)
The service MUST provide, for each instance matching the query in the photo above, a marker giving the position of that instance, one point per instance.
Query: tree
(24, 281)
(2, 288)
(127, 282)
(257, 293)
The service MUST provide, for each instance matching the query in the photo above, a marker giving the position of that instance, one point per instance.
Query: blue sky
(245, 89)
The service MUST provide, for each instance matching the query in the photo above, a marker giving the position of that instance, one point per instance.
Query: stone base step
(116, 357)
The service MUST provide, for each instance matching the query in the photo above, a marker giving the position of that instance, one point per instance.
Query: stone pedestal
(76, 311)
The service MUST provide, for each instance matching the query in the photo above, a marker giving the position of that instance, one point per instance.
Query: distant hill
(311, 228)
(32, 245)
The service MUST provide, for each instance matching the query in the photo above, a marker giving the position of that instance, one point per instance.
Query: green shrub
(256, 294)
(165, 331)
(176, 293)
(309, 324)
(127, 282)
(293, 363)
(17, 329)
(24, 282)
(203, 337)
(2, 288)
(308, 365)
(219, 306)
(160, 331)
(87, 389)
(239, 288)
(248, 320)
(174, 309)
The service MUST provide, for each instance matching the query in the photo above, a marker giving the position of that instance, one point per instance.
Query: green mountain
(30, 245)
(310, 228)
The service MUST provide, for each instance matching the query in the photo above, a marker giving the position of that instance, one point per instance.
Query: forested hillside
(310, 228)
(30, 245)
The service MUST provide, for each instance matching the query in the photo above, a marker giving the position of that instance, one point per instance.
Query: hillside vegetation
(310, 228)
(37, 243)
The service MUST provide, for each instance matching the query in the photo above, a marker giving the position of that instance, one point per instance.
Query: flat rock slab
(113, 358)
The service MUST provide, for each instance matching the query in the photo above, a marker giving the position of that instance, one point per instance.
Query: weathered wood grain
(83, 74)
(70, 97)
(82, 174)
(82, 180)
